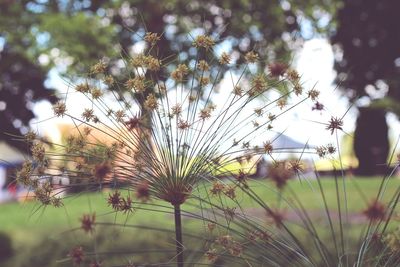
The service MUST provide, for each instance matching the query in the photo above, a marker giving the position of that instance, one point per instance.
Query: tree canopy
(36, 36)
(368, 66)
(369, 39)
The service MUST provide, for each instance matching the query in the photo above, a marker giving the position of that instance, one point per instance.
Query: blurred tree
(72, 34)
(368, 66)
(36, 36)
(21, 84)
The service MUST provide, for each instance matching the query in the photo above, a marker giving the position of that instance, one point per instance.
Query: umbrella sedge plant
(174, 130)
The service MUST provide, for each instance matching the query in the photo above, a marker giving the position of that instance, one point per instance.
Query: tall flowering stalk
(166, 127)
(188, 135)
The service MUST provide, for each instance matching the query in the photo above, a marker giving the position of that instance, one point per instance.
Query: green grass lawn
(27, 223)
(29, 216)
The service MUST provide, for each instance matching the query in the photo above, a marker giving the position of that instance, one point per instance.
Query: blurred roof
(285, 142)
(10, 155)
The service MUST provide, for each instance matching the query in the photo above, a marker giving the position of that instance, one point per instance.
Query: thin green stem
(178, 235)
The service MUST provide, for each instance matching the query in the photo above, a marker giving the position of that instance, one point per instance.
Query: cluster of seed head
(219, 188)
(180, 73)
(323, 151)
(88, 222)
(152, 38)
(44, 194)
(280, 172)
(146, 61)
(335, 124)
(119, 203)
(204, 41)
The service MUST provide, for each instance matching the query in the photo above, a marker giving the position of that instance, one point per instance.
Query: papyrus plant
(168, 127)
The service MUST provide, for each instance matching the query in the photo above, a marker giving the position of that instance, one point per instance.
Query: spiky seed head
(225, 59)
(204, 41)
(251, 57)
(152, 38)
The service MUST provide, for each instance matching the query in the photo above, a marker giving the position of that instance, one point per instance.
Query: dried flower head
(152, 63)
(335, 124)
(137, 84)
(88, 114)
(251, 57)
(268, 148)
(77, 255)
(293, 76)
(235, 249)
(59, 109)
(282, 103)
(30, 137)
(109, 80)
(237, 90)
(330, 149)
(258, 85)
(152, 38)
(204, 41)
(88, 222)
(138, 61)
(230, 192)
(205, 113)
(38, 152)
(241, 177)
(318, 106)
(217, 188)
(296, 166)
(133, 123)
(280, 174)
(96, 93)
(203, 81)
(203, 65)
(180, 73)
(321, 151)
(183, 125)
(375, 211)
(225, 58)
(277, 69)
(101, 171)
(99, 68)
(143, 191)
(258, 111)
(151, 102)
(126, 205)
(24, 174)
(298, 89)
(313, 94)
(114, 200)
(82, 88)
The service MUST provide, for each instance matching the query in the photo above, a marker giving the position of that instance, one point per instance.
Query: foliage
(71, 35)
(21, 85)
(368, 28)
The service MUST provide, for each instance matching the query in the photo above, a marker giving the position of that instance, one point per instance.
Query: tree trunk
(371, 143)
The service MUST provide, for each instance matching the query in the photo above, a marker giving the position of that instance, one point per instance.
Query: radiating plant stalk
(169, 131)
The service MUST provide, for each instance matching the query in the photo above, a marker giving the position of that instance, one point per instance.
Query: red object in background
(12, 188)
